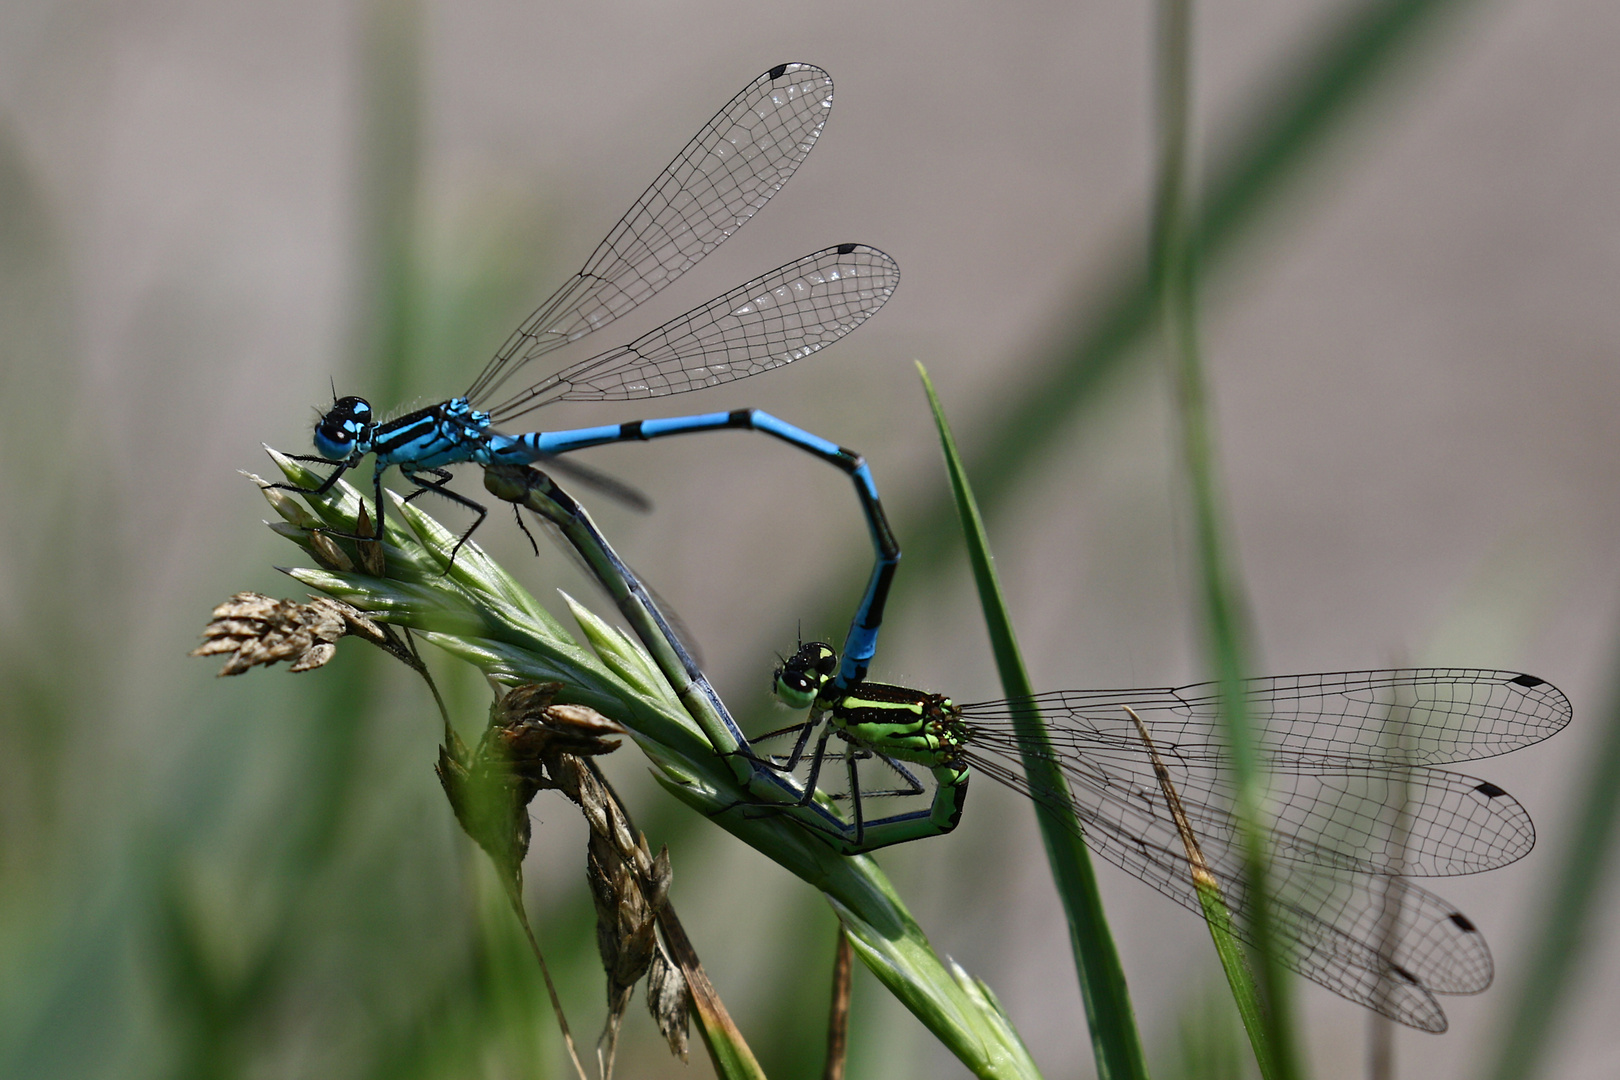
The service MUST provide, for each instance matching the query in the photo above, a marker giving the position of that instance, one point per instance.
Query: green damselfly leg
(892, 735)
(1358, 805)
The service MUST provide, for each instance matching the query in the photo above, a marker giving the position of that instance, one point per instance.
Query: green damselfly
(1356, 803)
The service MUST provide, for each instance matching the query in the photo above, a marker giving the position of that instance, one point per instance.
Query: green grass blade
(1114, 1040)
(1561, 942)
(1175, 273)
(1226, 637)
(1239, 979)
(481, 615)
(730, 1056)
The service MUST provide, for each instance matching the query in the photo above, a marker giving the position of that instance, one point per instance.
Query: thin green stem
(1115, 1044)
(1225, 626)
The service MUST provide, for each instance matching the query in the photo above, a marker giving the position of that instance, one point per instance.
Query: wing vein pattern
(719, 180)
(1357, 808)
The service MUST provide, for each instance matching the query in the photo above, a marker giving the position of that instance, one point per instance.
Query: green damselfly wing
(1357, 806)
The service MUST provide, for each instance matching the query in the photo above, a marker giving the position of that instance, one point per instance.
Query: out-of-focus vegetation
(259, 876)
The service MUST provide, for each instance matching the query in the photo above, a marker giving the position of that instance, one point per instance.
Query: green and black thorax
(897, 721)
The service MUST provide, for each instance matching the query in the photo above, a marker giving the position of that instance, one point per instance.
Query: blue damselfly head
(347, 423)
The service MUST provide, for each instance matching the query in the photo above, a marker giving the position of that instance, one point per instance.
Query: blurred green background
(208, 211)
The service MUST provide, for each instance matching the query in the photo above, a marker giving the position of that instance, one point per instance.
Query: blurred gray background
(1412, 355)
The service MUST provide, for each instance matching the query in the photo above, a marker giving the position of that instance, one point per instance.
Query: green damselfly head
(800, 678)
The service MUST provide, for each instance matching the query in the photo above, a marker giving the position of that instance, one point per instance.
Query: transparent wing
(1379, 819)
(1339, 839)
(716, 183)
(768, 322)
(1400, 717)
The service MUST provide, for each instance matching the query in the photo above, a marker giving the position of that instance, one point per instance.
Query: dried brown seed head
(371, 552)
(531, 728)
(328, 554)
(670, 1001)
(253, 629)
